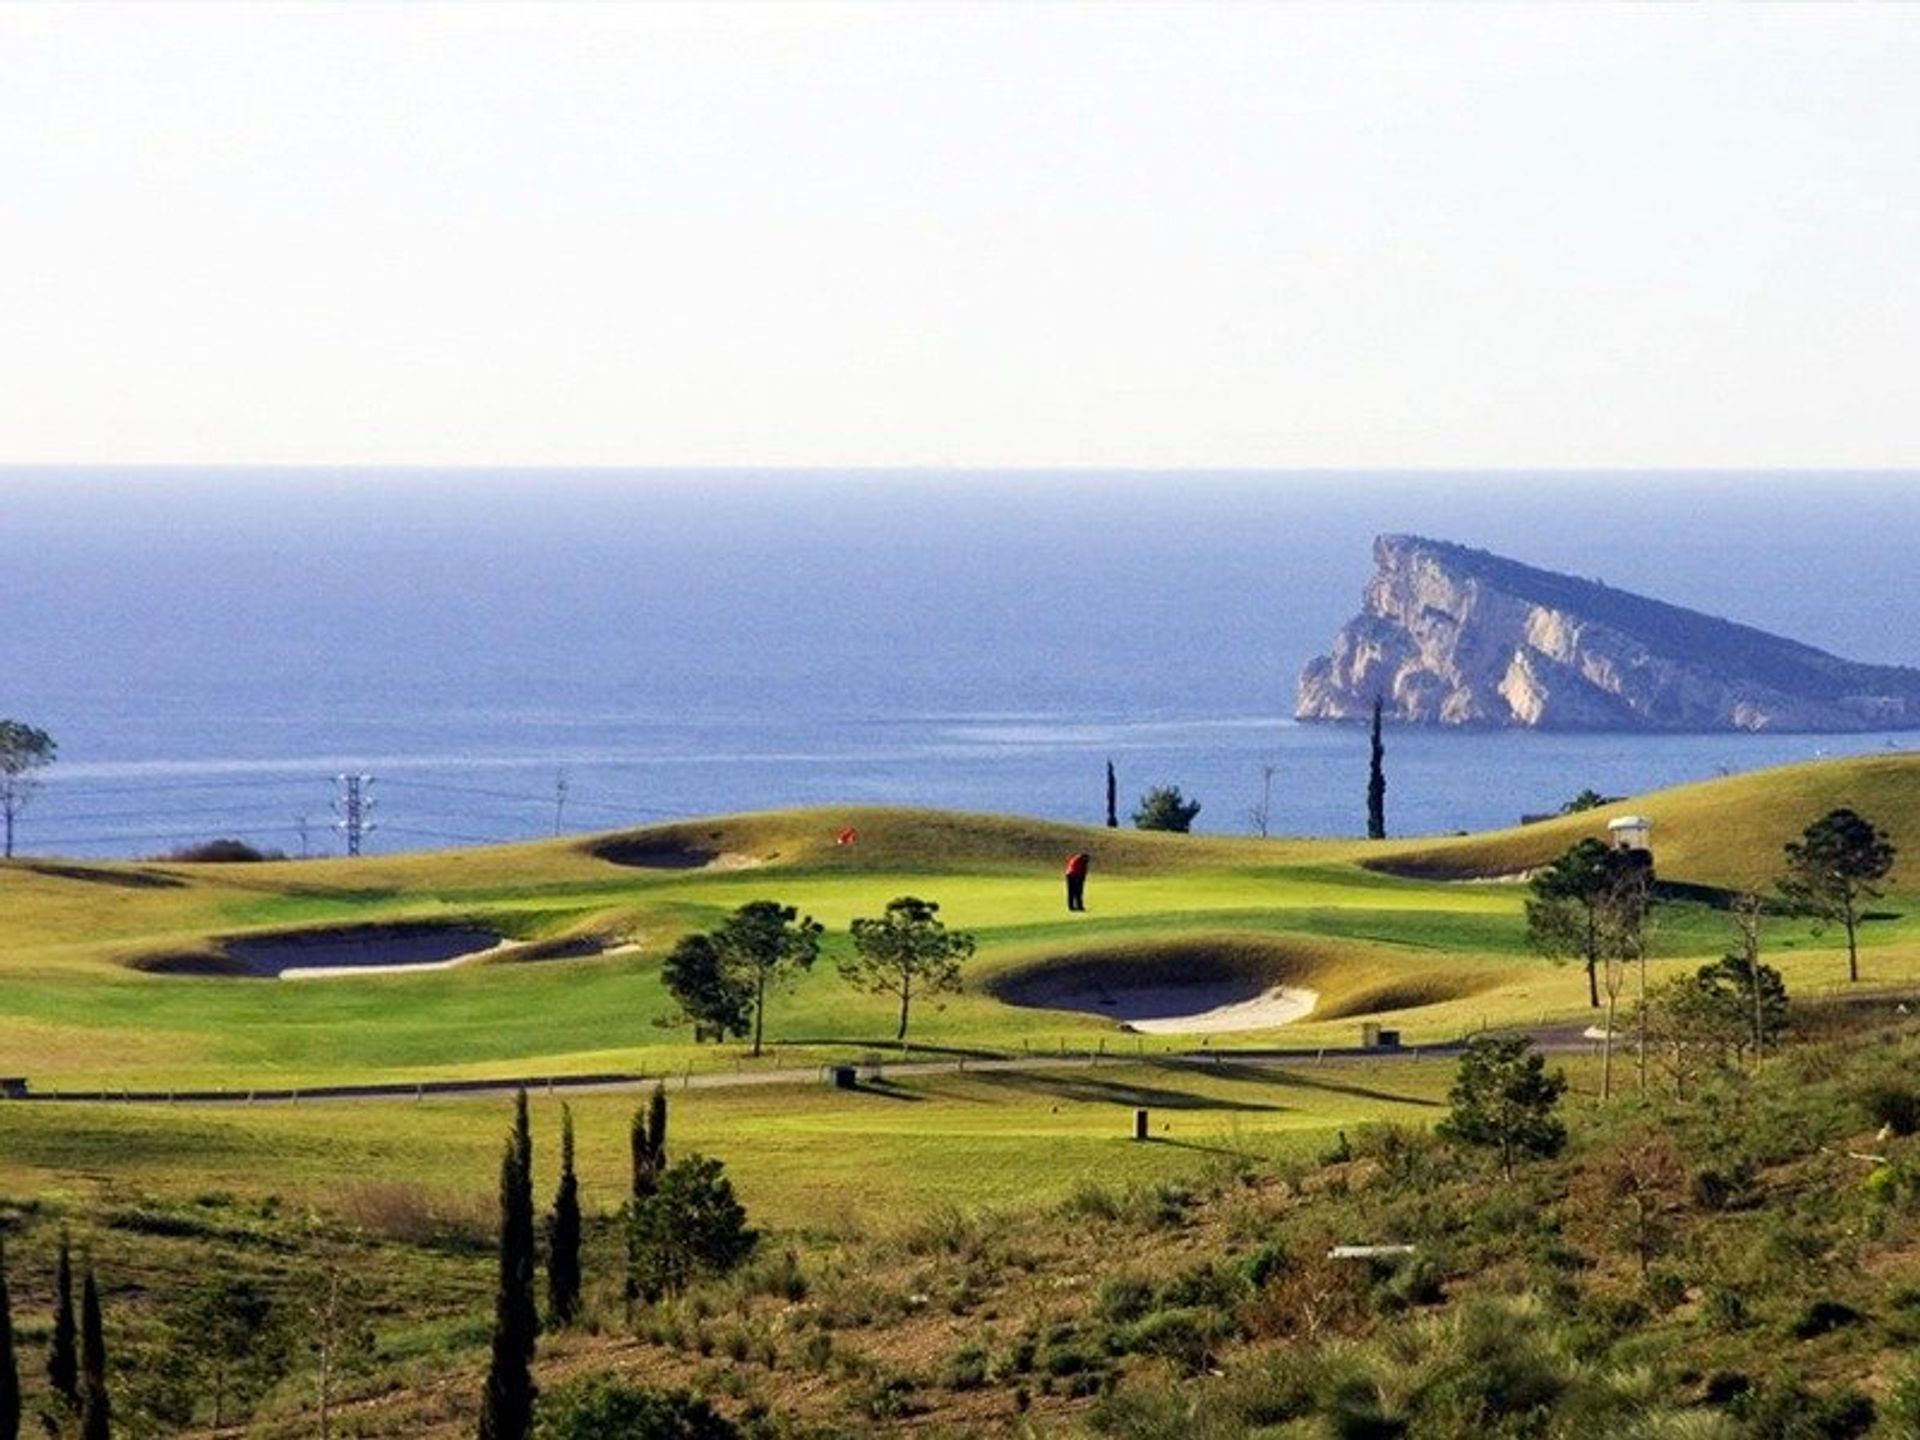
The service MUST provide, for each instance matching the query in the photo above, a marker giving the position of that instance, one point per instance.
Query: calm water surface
(211, 649)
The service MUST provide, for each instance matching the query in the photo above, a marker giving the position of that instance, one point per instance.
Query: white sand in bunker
(1200, 1005)
(1198, 1008)
(1167, 1012)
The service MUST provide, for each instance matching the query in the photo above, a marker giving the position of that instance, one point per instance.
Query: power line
(450, 835)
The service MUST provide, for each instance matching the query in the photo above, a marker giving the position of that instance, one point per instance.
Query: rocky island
(1449, 635)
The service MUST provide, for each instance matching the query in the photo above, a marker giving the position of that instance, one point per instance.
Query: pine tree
(507, 1411)
(563, 1234)
(63, 1361)
(96, 1411)
(9, 1366)
(1376, 781)
(1113, 798)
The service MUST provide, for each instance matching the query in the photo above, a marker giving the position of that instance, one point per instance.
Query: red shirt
(1077, 865)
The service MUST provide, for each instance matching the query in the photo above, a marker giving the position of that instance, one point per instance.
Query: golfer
(1077, 880)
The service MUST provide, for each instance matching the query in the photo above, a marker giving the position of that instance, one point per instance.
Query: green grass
(806, 1157)
(1441, 956)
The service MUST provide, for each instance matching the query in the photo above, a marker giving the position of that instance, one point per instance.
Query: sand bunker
(1180, 989)
(325, 954)
(1206, 1008)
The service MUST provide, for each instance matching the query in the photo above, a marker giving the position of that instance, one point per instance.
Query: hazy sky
(915, 234)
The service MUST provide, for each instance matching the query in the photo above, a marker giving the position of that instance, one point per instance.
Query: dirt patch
(356, 949)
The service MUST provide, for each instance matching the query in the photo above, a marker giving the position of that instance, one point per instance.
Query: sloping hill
(1726, 832)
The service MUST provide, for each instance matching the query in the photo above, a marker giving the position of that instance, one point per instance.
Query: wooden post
(1139, 1124)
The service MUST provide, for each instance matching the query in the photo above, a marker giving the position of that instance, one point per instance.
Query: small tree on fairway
(96, 1410)
(507, 1409)
(1590, 904)
(1376, 779)
(563, 1234)
(691, 1225)
(1832, 868)
(63, 1356)
(1503, 1099)
(1165, 808)
(717, 998)
(764, 941)
(906, 950)
(9, 1364)
(24, 751)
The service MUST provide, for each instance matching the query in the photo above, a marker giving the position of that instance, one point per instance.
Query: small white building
(1630, 832)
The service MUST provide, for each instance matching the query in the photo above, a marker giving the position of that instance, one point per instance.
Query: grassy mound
(1726, 832)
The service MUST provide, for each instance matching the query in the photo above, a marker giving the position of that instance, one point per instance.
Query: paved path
(727, 1080)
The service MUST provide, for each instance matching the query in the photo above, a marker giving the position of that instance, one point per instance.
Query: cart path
(1560, 1039)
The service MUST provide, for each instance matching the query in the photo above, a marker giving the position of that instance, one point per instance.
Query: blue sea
(515, 653)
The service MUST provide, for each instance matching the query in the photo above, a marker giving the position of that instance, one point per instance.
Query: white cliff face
(1452, 636)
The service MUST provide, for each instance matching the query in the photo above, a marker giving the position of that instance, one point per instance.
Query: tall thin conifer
(647, 1139)
(9, 1364)
(96, 1410)
(507, 1409)
(63, 1355)
(563, 1234)
(1376, 780)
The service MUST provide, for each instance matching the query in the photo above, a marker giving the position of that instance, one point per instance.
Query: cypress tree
(563, 1234)
(96, 1412)
(1377, 781)
(507, 1410)
(656, 1134)
(1113, 798)
(63, 1360)
(647, 1140)
(9, 1366)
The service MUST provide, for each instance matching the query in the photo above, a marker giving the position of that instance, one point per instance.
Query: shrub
(223, 851)
(691, 1225)
(1188, 1337)
(966, 1368)
(601, 1408)
(1822, 1317)
(1894, 1105)
(1124, 1298)
(1787, 1410)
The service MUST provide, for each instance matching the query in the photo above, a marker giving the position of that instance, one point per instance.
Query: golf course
(297, 1073)
(538, 963)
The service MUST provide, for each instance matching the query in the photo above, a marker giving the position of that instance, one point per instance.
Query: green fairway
(804, 1156)
(1424, 935)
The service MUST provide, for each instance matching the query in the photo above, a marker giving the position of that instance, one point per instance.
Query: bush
(691, 1225)
(1188, 1337)
(222, 852)
(1823, 1317)
(1788, 1410)
(1894, 1105)
(1165, 808)
(602, 1408)
(1124, 1298)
